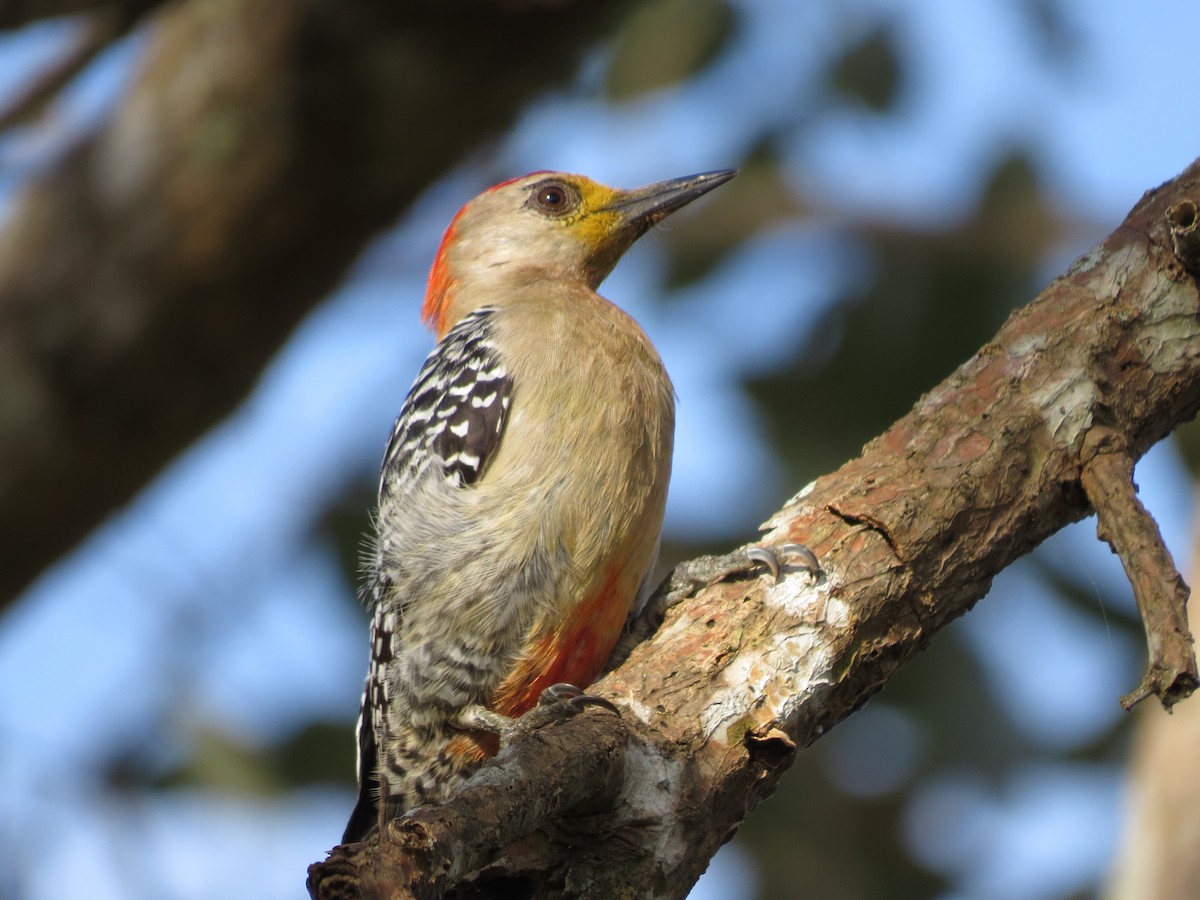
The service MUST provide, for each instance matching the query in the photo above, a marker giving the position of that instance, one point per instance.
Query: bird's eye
(554, 197)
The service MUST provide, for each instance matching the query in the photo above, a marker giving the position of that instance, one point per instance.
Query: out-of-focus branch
(146, 279)
(1158, 859)
(985, 467)
(17, 13)
(95, 35)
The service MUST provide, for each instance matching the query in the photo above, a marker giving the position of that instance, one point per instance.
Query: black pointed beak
(644, 207)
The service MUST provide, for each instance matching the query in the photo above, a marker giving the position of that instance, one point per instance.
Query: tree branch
(1158, 587)
(95, 35)
(526, 788)
(986, 466)
(18, 13)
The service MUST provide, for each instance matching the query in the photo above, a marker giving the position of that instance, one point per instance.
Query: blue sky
(218, 561)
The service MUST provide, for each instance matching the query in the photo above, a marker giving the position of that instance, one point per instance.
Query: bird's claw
(771, 558)
(575, 697)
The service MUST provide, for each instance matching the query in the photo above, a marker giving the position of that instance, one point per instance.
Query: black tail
(366, 811)
(365, 817)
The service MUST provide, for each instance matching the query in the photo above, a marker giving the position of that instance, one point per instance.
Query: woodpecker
(522, 489)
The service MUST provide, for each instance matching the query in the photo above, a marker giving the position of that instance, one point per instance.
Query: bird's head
(552, 225)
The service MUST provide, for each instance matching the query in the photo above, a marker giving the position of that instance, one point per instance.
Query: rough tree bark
(1042, 424)
(148, 277)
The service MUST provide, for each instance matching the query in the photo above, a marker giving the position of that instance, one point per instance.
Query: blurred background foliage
(186, 682)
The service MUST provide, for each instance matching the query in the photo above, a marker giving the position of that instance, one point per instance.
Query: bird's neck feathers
(439, 295)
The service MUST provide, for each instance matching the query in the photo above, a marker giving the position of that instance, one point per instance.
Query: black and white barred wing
(452, 419)
(374, 699)
(455, 413)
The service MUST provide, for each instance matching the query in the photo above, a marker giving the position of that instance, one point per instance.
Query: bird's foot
(557, 702)
(574, 697)
(480, 718)
(690, 577)
(560, 702)
(771, 559)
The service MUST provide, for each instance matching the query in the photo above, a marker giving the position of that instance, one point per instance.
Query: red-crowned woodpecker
(523, 486)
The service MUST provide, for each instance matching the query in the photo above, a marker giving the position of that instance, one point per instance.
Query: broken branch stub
(1161, 595)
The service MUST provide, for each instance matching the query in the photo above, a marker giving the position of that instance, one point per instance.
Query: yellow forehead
(595, 195)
